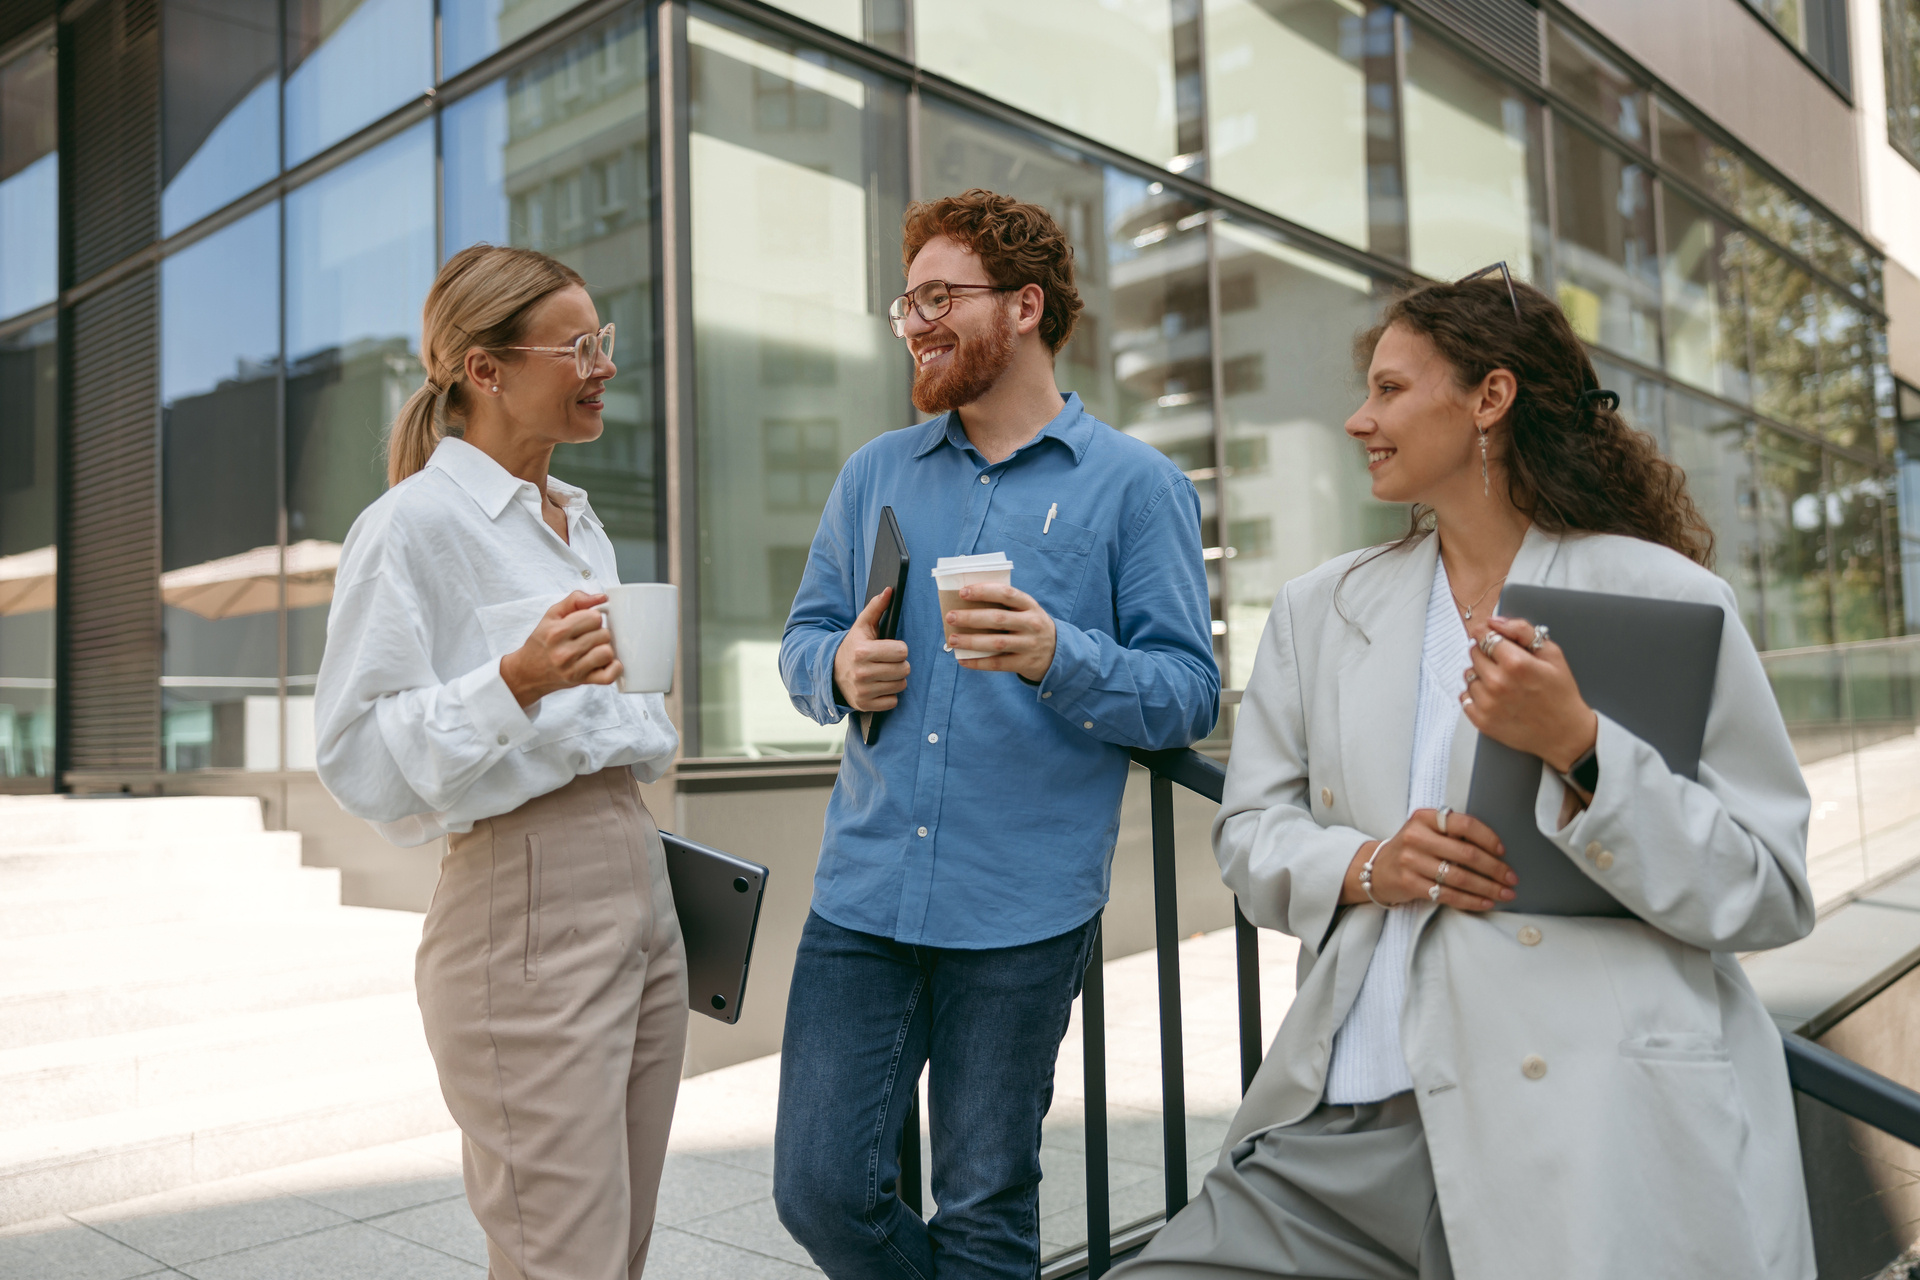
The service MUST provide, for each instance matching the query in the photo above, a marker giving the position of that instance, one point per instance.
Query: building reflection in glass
(29, 182)
(29, 380)
(220, 104)
(349, 62)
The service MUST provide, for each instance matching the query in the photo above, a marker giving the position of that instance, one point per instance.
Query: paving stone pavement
(398, 1212)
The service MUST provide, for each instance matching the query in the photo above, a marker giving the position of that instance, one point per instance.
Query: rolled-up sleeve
(823, 611)
(394, 741)
(1155, 685)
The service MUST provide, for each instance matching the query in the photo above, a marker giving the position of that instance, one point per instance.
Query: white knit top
(1368, 1063)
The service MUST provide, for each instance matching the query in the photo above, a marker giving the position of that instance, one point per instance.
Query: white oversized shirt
(441, 577)
(1368, 1063)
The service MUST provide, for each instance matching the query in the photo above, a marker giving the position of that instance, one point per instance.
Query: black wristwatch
(1585, 773)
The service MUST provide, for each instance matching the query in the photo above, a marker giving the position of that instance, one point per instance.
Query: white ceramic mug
(645, 620)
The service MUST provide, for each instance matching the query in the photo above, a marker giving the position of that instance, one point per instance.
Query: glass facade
(1900, 50)
(29, 182)
(29, 426)
(1742, 324)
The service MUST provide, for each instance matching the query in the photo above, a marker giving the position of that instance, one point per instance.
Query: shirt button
(985, 480)
(1326, 797)
(1529, 936)
(1086, 724)
(1533, 1066)
(933, 737)
(923, 831)
(1047, 694)
(502, 739)
(1593, 850)
(586, 573)
(1605, 860)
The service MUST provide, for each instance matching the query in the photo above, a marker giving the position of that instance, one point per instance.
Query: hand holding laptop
(1521, 693)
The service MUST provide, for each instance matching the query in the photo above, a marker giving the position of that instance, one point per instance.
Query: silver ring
(1472, 675)
(1433, 894)
(1490, 642)
(1465, 701)
(1446, 869)
(1440, 819)
(1539, 638)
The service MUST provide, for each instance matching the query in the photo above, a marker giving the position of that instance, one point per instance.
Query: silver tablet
(718, 898)
(1649, 666)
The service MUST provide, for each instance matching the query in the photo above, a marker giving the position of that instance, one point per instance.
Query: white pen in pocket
(1053, 509)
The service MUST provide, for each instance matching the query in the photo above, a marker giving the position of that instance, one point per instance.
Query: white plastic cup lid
(971, 564)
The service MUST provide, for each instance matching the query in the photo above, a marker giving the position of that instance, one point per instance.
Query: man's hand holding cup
(870, 672)
(1010, 625)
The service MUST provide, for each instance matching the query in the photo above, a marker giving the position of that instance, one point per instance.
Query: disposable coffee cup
(950, 573)
(645, 620)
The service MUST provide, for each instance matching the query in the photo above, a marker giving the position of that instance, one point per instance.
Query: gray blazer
(1659, 1139)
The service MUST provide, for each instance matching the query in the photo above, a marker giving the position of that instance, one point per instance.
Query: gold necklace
(1466, 611)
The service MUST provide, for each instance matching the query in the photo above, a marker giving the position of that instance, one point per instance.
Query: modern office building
(219, 218)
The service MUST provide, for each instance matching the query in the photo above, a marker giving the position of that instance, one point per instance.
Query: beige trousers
(552, 981)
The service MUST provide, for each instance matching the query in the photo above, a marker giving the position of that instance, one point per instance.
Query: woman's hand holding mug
(1466, 861)
(569, 646)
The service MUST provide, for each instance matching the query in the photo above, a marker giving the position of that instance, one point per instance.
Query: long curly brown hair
(1573, 463)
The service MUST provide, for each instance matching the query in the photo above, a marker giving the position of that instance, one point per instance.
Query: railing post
(1166, 935)
(1093, 1049)
(910, 1154)
(1246, 963)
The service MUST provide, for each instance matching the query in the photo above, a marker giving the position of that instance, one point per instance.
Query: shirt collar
(491, 485)
(1073, 426)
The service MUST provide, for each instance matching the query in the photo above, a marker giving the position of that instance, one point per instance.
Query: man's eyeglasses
(586, 350)
(933, 300)
(1505, 275)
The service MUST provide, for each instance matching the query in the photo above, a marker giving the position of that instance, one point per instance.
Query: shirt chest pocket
(561, 714)
(1050, 557)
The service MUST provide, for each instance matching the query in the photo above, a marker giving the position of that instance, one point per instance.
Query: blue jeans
(865, 1014)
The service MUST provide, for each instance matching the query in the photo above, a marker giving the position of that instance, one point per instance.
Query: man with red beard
(966, 854)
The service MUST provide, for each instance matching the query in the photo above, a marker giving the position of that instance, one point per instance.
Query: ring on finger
(1440, 819)
(1472, 675)
(1540, 635)
(1433, 893)
(1491, 642)
(1446, 869)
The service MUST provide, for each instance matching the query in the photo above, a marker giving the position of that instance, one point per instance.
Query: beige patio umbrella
(234, 586)
(26, 581)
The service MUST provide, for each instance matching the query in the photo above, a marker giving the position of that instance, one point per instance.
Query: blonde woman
(467, 690)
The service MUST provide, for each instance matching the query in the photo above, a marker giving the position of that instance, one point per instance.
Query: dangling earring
(1486, 487)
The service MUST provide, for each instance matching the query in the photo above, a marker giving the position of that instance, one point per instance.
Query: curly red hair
(1018, 244)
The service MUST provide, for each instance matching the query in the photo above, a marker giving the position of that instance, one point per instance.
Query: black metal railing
(1815, 1071)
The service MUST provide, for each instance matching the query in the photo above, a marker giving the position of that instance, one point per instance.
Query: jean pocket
(533, 908)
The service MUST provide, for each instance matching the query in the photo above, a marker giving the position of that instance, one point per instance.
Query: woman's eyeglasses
(933, 300)
(1505, 275)
(586, 350)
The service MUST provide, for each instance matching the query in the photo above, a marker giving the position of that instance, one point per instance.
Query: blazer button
(1593, 850)
(1533, 1066)
(1529, 936)
(1326, 797)
(1604, 860)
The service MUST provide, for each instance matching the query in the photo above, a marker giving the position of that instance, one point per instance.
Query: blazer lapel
(1379, 680)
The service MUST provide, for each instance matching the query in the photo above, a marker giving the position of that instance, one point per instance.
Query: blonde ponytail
(481, 298)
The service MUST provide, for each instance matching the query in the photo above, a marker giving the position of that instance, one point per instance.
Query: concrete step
(119, 865)
(74, 1079)
(41, 820)
(61, 1167)
(107, 981)
(187, 898)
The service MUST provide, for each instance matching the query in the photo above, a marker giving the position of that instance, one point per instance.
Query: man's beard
(971, 370)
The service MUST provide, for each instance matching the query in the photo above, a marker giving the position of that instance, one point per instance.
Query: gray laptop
(718, 899)
(1646, 664)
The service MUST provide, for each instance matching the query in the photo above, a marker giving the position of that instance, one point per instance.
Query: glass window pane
(359, 263)
(1782, 323)
(220, 105)
(1642, 400)
(1608, 274)
(1706, 335)
(1710, 443)
(1297, 491)
(1793, 540)
(1117, 85)
(1287, 108)
(1472, 160)
(1596, 85)
(1140, 357)
(1710, 166)
(472, 29)
(878, 22)
(29, 381)
(798, 183)
(1900, 43)
(29, 183)
(220, 499)
(1856, 498)
(349, 62)
(528, 162)
(1850, 345)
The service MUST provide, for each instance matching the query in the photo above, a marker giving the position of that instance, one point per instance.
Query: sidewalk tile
(210, 1218)
(447, 1225)
(676, 1255)
(351, 1251)
(61, 1249)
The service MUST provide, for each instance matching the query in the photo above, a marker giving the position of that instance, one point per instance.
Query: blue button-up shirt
(985, 815)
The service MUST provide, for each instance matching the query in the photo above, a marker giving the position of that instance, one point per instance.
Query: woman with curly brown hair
(1460, 1090)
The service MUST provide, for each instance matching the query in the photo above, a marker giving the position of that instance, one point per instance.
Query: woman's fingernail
(1506, 895)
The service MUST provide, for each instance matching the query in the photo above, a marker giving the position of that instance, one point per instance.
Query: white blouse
(442, 576)
(1368, 1063)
